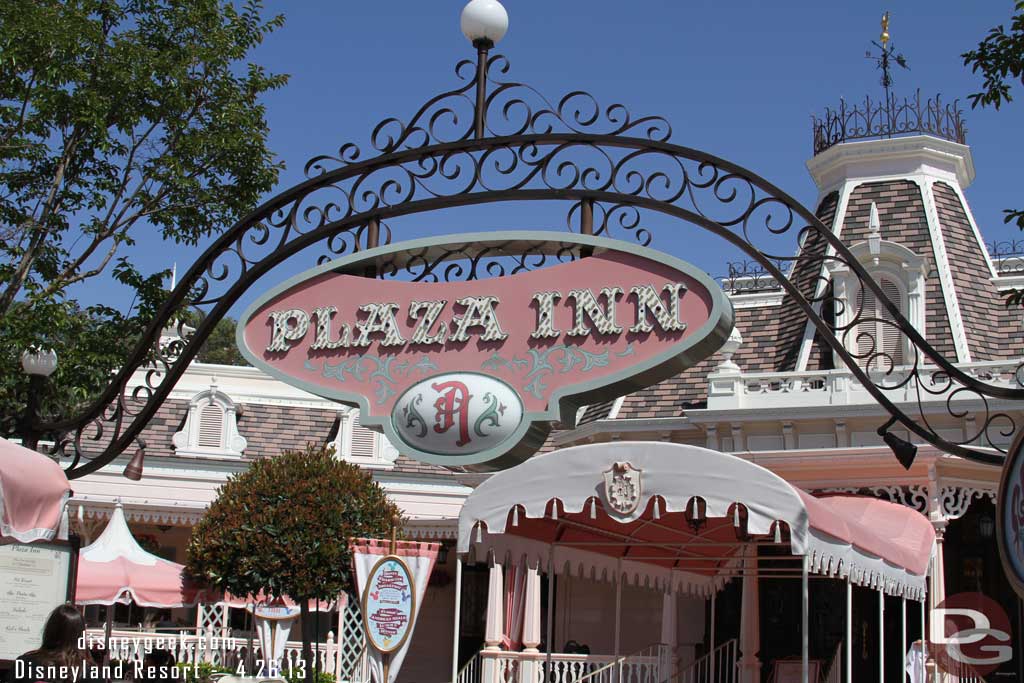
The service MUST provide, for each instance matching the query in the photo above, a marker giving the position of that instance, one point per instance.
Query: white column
(529, 669)
(669, 632)
(881, 634)
(711, 640)
(458, 617)
(848, 644)
(903, 636)
(494, 625)
(750, 621)
(937, 595)
(804, 635)
(618, 607)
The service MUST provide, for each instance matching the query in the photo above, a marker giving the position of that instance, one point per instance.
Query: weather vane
(887, 54)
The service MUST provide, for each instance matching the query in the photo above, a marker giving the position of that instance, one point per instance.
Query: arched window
(362, 446)
(211, 426)
(878, 333)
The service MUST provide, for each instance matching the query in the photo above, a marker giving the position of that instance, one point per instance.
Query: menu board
(34, 578)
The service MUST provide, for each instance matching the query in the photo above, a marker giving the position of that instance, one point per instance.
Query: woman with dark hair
(60, 652)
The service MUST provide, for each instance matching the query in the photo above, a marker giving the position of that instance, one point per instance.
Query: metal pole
(458, 615)
(251, 656)
(848, 645)
(804, 636)
(711, 640)
(480, 113)
(881, 636)
(29, 435)
(903, 634)
(618, 605)
(924, 642)
(550, 636)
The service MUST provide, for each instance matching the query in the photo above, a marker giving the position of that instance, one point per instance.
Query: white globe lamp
(39, 362)
(484, 22)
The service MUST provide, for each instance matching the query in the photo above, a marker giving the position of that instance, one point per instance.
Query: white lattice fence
(351, 643)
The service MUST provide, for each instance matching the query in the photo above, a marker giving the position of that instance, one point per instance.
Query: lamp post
(484, 23)
(38, 364)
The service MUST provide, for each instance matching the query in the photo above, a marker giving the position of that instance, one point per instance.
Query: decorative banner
(472, 372)
(392, 586)
(1010, 516)
(389, 604)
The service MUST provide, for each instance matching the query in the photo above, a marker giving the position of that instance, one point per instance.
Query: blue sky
(739, 80)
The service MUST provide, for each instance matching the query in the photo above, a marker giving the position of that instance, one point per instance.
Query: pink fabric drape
(515, 603)
(33, 491)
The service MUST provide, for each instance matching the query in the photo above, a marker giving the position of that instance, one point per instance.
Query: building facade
(775, 394)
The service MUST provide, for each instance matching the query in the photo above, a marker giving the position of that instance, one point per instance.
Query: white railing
(718, 666)
(650, 665)
(732, 389)
(232, 650)
(835, 667)
(470, 671)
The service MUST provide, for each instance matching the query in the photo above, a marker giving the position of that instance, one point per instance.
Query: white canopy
(680, 517)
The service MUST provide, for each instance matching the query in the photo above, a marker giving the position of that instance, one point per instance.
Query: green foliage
(120, 120)
(220, 346)
(281, 527)
(1000, 59)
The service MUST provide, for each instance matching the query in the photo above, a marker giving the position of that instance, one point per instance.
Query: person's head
(63, 630)
(62, 635)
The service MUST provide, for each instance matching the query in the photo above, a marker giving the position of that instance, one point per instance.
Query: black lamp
(904, 451)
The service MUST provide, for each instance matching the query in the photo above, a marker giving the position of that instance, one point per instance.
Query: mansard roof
(960, 281)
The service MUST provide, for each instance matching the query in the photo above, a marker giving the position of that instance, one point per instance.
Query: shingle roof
(902, 219)
(993, 332)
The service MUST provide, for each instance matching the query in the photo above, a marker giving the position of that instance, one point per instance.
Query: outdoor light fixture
(484, 22)
(904, 451)
(134, 469)
(442, 554)
(38, 362)
(986, 526)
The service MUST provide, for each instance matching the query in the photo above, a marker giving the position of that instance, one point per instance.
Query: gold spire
(885, 29)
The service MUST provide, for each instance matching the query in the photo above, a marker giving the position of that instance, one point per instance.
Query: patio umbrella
(33, 492)
(115, 569)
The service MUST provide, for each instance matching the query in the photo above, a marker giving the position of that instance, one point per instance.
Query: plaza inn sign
(472, 373)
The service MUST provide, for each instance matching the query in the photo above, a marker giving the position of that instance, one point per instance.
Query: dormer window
(211, 426)
(360, 445)
(900, 274)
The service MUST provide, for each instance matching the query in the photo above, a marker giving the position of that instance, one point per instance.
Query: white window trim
(186, 442)
(905, 268)
(384, 453)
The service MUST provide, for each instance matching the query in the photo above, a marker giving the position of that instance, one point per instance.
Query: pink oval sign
(495, 360)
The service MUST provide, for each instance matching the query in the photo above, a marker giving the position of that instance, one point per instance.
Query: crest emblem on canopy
(622, 487)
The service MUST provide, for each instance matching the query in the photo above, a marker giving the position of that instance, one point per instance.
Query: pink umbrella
(115, 569)
(33, 492)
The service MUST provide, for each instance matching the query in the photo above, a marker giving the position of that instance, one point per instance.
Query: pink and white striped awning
(115, 569)
(682, 516)
(33, 493)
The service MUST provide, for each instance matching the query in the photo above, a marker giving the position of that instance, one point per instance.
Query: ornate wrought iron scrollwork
(608, 165)
(889, 117)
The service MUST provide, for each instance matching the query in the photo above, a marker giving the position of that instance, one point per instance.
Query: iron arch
(499, 141)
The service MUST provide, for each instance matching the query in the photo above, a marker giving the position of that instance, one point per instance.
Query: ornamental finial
(885, 29)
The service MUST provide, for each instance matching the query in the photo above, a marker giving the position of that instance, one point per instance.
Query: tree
(1000, 59)
(220, 346)
(281, 528)
(120, 120)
